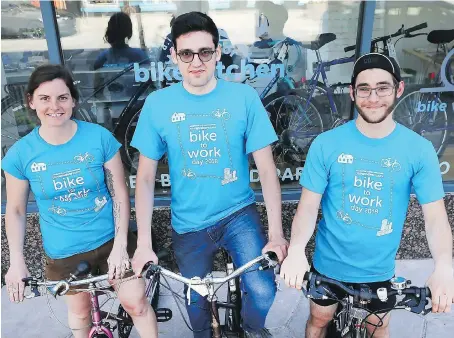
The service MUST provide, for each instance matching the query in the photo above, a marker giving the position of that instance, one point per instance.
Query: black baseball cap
(376, 60)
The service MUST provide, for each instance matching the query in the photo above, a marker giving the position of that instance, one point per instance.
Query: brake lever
(34, 292)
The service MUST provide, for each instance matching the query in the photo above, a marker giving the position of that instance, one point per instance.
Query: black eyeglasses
(381, 91)
(204, 55)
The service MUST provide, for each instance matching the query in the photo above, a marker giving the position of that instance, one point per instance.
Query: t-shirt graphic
(207, 139)
(366, 185)
(204, 147)
(68, 183)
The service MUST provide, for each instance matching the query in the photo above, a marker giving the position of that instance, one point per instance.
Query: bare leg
(132, 297)
(79, 314)
(318, 321)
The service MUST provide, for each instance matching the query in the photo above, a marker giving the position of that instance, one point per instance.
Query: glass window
(24, 48)
(423, 46)
(118, 52)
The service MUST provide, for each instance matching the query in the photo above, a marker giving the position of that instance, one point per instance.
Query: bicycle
(105, 323)
(206, 287)
(421, 109)
(314, 90)
(351, 315)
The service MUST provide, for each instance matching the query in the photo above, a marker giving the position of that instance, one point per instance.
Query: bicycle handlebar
(61, 287)
(415, 300)
(268, 260)
(400, 31)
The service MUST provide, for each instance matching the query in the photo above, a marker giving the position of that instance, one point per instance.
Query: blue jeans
(242, 235)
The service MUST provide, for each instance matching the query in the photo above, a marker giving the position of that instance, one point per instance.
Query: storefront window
(274, 46)
(24, 48)
(423, 46)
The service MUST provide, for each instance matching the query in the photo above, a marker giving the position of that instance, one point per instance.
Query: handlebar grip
(27, 280)
(271, 255)
(428, 293)
(416, 28)
(307, 274)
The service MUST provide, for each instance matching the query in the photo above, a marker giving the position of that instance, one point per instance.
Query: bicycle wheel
(16, 123)
(125, 323)
(411, 112)
(297, 122)
(124, 134)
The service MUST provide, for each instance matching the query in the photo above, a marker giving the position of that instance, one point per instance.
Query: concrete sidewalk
(287, 318)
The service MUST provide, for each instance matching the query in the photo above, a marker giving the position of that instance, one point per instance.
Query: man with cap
(362, 174)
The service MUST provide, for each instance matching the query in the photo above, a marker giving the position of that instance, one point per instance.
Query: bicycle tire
(288, 122)
(321, 102)
(125, 324)
(124, 134)
(407, 113)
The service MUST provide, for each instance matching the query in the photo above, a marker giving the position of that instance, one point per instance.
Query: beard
(379, 119)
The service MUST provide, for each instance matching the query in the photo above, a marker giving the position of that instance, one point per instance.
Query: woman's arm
(115, 181)
(15, 223)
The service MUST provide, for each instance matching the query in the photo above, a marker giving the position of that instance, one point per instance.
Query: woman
(75, 172)
(118, 33)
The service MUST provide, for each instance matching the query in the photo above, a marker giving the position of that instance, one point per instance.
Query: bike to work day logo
(160, 71)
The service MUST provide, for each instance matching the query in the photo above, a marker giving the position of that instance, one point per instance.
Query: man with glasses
(362, 173)
(208, 127)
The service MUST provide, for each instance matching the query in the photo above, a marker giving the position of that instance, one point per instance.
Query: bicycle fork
(97, 328)
(215, 322)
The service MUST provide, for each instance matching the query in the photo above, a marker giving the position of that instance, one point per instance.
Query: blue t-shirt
(67, 180)
(207, 139)
(366, 186)
(119, 57)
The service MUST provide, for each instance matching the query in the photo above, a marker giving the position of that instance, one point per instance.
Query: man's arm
(145, 183)
(114, 176)
(303, 226)
(439, 237)
(272, 195)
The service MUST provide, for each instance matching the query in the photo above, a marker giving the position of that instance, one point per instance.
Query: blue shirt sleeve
(315, 174)
(427, 180)
(146, 138)
(12, 163)
(109, 143)
(259, 131)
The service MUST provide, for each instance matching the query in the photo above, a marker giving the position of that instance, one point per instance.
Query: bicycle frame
(321, 66)
(97, 327)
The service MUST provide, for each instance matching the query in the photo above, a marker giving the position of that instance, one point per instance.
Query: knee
(81, 311)
(319, 320)
(138, 307)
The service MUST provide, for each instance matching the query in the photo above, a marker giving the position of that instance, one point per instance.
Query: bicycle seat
(264, 44)
(322, 40)
(441, 36)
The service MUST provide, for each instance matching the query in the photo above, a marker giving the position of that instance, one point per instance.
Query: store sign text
(160, 71)
(286, 175)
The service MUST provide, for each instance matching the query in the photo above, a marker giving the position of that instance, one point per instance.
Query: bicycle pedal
(163, 315)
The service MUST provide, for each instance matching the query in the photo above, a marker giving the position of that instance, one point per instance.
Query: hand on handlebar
(143, 255)
(441, 284)
(13, 280)
(279, 246)
(294, 268)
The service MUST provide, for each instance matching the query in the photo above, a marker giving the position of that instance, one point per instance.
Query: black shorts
(374, 305)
